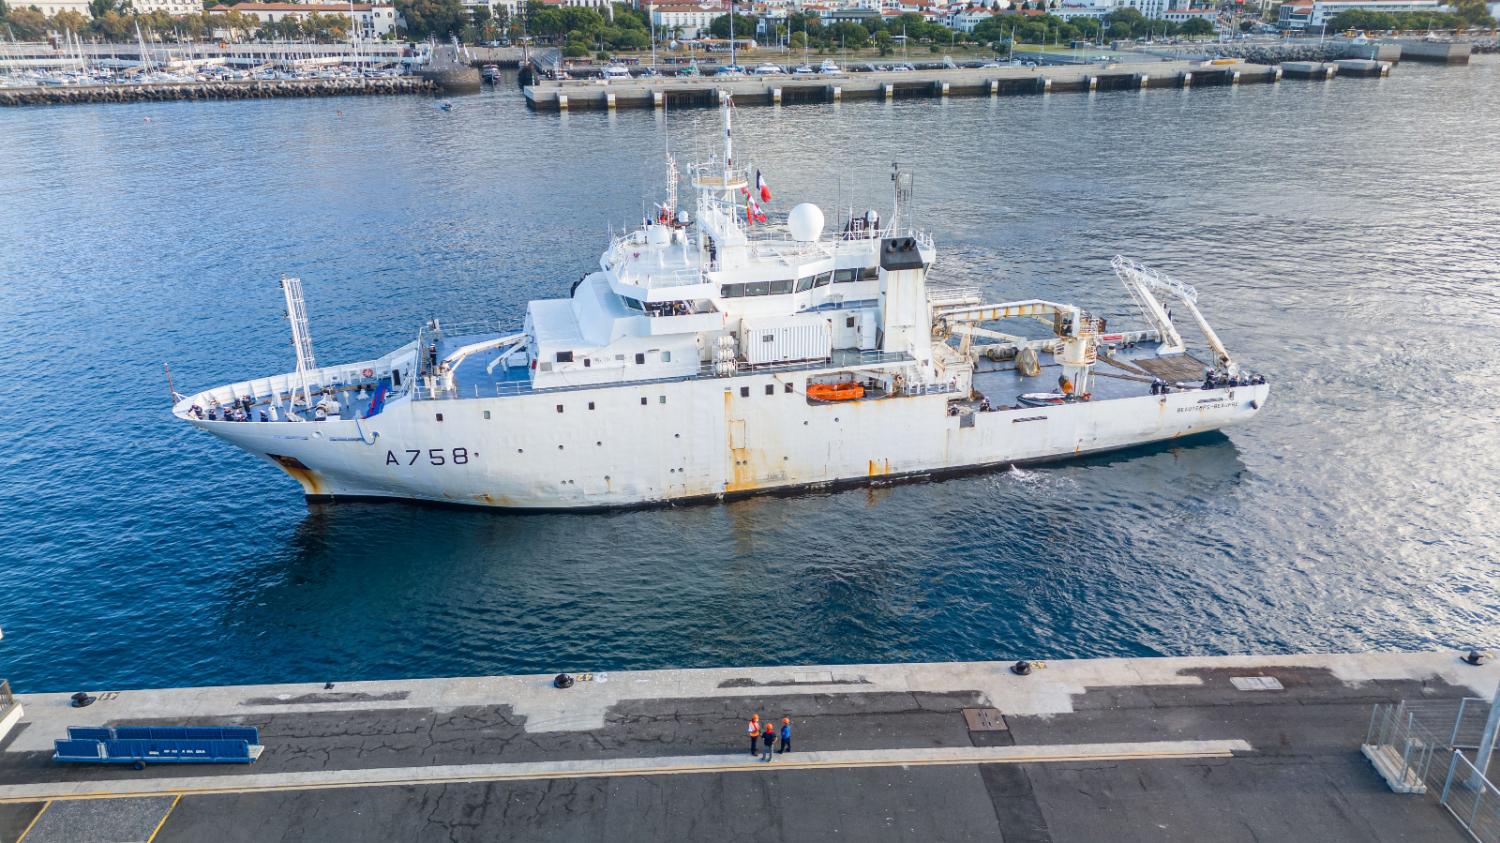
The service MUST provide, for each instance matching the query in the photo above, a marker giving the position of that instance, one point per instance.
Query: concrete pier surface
(1110, 749)
(648, 92)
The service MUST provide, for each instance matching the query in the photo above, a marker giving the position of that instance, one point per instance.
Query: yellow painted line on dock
(32, 824)
(163, 820)
(617, 768)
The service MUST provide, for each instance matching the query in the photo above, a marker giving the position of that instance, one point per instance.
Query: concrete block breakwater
(227, 90)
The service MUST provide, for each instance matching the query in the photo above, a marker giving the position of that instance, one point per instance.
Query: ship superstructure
(718, 353)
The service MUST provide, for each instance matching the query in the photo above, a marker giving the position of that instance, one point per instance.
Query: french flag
(762, 187)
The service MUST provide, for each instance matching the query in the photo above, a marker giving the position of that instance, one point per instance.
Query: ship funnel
(805, 222)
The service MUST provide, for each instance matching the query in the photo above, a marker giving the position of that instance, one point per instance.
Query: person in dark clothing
(786, 735)
(768, 741)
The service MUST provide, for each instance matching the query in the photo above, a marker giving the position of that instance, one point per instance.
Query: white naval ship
(718, 354)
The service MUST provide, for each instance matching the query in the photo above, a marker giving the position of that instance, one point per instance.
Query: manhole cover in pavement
(1256, 683)
(985, 720)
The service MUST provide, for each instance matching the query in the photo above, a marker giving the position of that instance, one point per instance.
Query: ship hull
(697, 439)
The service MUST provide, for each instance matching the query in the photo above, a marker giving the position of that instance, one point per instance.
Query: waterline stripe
(614, 767)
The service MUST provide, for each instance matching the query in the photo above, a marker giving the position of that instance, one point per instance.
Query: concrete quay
(573, 94)
(1110, 749)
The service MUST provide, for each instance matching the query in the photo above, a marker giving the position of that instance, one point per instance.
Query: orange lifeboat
(835, 391)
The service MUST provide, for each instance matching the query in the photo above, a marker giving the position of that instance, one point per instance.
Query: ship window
(779, 287)
(565, 357)
(804, 284)
(643, 400)
(633, 304)
(486, 413)
(869, 273)
(770, 389)
(559, 408)
(640, 358)
(768, 338)
(732, 291)
(591, 406)
(588, 362)
(744, 392)
(823, 279)
(844, 276)
(395, 377)
(439, 416)
(848, 321)
(666, 357)
(787, 388)
(661, 399)
(758, 288)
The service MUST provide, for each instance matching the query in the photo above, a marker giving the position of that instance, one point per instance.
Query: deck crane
(1143, 282)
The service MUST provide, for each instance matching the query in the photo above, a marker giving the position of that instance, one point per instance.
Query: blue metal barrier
(140, 745)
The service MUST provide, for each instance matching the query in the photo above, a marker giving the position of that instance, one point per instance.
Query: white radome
(805, 223)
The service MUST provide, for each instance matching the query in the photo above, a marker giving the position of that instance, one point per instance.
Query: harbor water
(1342, 236)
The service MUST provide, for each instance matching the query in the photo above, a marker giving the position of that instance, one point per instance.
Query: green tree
(883, 42)
(1196, 28)
(26, 24)
(744, 27)
(436, 18)
(850, 35)
(799, 40)
(69, 21)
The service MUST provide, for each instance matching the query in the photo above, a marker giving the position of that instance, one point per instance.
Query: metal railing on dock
(1424, 746)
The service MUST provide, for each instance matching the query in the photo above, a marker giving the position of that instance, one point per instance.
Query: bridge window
(804, 284)
(823, 279)
(845, 276)
(758, 288)
(779, 287)
(732, 291)
(869, 273)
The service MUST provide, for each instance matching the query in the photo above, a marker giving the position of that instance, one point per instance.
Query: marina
(1230, 748)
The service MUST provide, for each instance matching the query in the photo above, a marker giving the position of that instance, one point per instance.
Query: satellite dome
(805, 222)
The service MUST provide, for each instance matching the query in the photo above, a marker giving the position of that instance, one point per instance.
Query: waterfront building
(370, 21)
(175, 8)
(1316, 14)
(52, 7)
(686, 20)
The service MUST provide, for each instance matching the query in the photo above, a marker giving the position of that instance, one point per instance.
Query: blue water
(1342, 235)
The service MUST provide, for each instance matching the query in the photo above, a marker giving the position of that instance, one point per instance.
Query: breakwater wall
(229, 90)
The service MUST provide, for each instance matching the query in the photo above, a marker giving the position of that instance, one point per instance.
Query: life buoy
(369, 373)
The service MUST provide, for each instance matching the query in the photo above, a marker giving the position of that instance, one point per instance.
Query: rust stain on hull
(312, 484)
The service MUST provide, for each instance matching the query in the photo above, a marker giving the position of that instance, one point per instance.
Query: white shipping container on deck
(784, 339)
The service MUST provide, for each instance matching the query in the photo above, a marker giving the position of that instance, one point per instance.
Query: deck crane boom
(1142, 282)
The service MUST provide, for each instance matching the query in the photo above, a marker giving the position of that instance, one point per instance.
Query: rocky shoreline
(234, 90)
